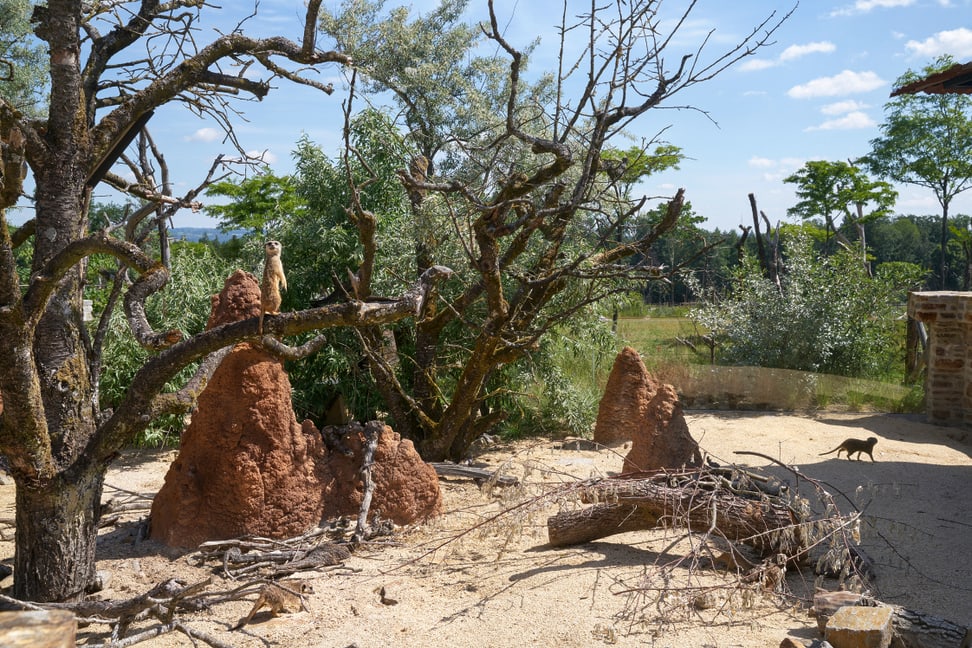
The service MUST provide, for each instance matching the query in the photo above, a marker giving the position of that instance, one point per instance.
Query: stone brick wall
(947, 315)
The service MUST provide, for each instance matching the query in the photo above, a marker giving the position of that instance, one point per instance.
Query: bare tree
(519, 193)
(110, 65)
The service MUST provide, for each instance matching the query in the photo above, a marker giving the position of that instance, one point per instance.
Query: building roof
(955, 80)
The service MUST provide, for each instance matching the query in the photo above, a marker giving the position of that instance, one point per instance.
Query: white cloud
(753, 65)
(847, 82)
(264, 156)
(775, 170)
(841, 107)
(957, 42)
(796, 51)
(851, 121)
(864, 6)
(204, 135)
(790, 53)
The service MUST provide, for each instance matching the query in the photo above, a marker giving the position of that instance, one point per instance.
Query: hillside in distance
(196, 234)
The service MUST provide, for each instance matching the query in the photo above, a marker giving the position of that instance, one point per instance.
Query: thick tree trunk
(57, 526)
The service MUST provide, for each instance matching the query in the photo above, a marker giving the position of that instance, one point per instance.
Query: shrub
(828, 315)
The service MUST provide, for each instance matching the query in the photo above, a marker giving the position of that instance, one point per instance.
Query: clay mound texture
(637, 408)
(406, 488)
(247, 467)
(236, 301)
(622, 410)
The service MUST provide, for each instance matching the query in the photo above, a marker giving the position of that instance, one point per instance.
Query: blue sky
(817, 93)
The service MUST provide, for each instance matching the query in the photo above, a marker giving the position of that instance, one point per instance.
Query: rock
(406, 488)
(860, 627)
(245, 465)
(826, 604)
(791, 643)
(637, 408)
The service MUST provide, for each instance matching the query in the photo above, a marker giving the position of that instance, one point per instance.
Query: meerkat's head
(272, 248)
(871, 440)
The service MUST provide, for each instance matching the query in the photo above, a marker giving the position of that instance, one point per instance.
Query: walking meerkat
(274, 281)
(285, 596)
(851, 446)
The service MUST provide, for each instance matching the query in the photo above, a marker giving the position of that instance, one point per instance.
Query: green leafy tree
(833, 190)
(258, 204)
(508, 176)
(323, 249)
(962, 237)
(22, 63)
(927, 141)
(103, 88)
(428, 62)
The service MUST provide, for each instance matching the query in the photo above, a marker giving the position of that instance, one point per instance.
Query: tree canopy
(497, 174)
(926, 140)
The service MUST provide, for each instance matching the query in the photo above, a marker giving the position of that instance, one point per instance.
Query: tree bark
(57, 528)
(638, 504)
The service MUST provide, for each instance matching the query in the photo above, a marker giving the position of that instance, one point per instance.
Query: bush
(184, 304)
(828, 315)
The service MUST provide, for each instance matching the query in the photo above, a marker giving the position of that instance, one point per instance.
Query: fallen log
(697, 500)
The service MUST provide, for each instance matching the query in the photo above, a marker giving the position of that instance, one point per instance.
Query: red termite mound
(247, 467)
(637, 408)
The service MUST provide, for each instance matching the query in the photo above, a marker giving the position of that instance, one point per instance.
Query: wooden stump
(38, 629)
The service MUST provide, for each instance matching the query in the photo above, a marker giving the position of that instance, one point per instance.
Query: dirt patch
(499, 585)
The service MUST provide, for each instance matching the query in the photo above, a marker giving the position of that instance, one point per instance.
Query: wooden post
(38, 629)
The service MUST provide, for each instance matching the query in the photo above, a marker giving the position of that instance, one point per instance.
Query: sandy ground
(470, 578)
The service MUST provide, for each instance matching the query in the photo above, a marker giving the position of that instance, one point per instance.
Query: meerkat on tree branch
(274, 281)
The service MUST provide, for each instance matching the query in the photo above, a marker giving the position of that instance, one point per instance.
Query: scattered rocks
(855, 626)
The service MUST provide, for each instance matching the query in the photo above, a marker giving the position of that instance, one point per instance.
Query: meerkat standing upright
(273, 280)
(851, 446)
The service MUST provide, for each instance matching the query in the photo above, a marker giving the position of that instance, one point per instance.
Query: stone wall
(947, 315)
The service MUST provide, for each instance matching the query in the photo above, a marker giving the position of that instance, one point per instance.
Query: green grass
(702, 385)
(657, 339)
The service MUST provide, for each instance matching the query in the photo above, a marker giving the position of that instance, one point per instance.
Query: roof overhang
(955, 80)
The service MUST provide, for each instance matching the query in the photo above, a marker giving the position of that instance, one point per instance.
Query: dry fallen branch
(313, 550)
(693, 499)
(161, 602)
(448, 469)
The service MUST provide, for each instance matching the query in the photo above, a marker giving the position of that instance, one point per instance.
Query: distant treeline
(904, 239)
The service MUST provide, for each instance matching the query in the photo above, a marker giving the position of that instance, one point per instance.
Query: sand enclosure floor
(472, 578)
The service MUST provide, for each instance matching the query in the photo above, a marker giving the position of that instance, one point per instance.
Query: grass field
(702, 385)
